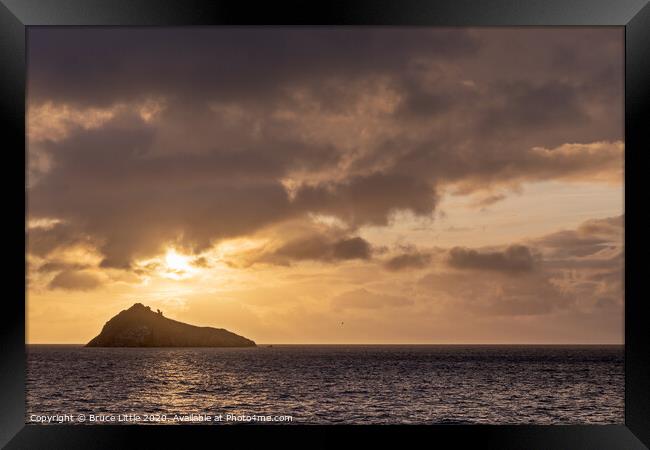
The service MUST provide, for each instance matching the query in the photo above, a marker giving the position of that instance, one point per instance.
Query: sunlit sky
(328, 185)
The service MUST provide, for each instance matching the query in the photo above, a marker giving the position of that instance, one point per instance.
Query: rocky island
(139, 326)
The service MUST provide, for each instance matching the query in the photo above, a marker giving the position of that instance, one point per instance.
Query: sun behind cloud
(177, 265)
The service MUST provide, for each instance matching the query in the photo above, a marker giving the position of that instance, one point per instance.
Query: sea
(326, 384)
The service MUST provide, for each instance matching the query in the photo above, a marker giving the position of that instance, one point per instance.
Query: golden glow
(306, 301)
(50, 121)
(177, 266)
(238, 247)
(175, 261)
(46, 223)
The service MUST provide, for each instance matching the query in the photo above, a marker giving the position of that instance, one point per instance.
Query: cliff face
(139, 326)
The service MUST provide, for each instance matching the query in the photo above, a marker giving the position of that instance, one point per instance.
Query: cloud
(317, 247)
(201, 262)
(524, 105)
(514, 259)
(611, 227)
(59, 266)
(134, 153)
(42, 241)
(368, 199)
(484, 295)
(572, 243)
(590, 238)
(588, 261)
(578, 271)
(411, 260)
(225, 63)
(75, 280)
(487, 166)
(488, 200)
(353, 248)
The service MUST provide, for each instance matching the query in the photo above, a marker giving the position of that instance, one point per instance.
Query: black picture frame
(634, 15)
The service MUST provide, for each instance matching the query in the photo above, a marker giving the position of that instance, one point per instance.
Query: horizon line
(372, 343)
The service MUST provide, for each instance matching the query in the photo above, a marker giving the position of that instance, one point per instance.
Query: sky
(328, 185)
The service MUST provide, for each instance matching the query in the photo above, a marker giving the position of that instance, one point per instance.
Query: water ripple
(336, 384)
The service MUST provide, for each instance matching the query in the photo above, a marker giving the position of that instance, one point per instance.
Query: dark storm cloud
(368, 199)
(411, 260)
(59, 266)
(125, 150)
(523, 105)
(111, 184)
(245, 110)
(353, 248)
(101, 66)
(325, 248)
(487, 166)
(75, 280)
(42, 241)
(514, 259)
(107, 183)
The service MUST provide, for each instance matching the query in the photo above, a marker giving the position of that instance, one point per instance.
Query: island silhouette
(139, 326)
